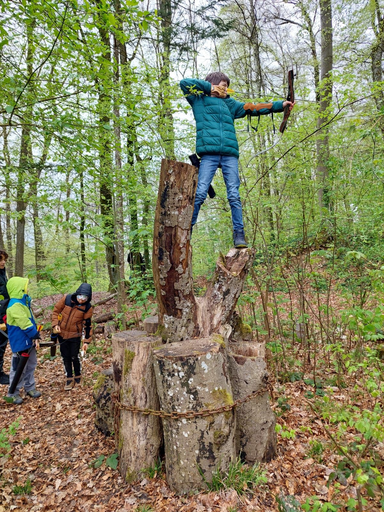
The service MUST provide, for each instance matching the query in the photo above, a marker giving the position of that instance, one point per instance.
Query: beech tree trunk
(138, 436)
(191, 376)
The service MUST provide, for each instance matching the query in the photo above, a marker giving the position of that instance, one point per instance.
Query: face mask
(81, 297)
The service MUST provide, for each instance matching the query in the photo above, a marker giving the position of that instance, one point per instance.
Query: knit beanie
(216, 77)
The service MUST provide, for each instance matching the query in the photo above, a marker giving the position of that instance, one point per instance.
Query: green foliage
(358, 455)
(23, 489)
(5, 434)
(144, 508)
(316, 450)
(283, 405)
(287, 504)
(239, 476)
(285, 432)
(314, 504)
(111, 461)
(154, 470)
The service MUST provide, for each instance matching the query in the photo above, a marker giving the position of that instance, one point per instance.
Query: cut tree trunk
(255, 435)
(180, 313)
(191, 376)
(172, 269)
(138, 436)
(151, 324)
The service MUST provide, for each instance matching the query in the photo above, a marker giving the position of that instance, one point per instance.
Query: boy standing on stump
(216, 143)
(71, 315)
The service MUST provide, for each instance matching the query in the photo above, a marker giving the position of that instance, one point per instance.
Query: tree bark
(215, 309)
(102, 392)
(255, 434)
(326, 86)
(138, 436)
(182, 315)
(191, 376)
(172, 254)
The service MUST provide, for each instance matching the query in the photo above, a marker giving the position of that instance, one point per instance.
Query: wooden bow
(290, 97)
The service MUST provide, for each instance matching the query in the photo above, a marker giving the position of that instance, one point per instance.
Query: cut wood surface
(192, 376)
(138, 436)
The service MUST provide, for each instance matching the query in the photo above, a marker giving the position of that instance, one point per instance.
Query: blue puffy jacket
(215, 130)
(20, 322)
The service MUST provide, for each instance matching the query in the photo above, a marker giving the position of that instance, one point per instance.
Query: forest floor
(56, 444)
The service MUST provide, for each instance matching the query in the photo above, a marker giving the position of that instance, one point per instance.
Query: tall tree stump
(192, 376)
(180, 313)
(138, 436)
(255, 435)
(171, 261)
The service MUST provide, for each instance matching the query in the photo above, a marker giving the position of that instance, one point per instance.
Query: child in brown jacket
(71, 315)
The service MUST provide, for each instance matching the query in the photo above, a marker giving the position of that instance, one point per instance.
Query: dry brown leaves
(56, 443)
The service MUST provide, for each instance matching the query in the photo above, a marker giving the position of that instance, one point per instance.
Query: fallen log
(104, 317)
(104, 301)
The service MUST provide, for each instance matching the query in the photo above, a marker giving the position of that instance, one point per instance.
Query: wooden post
(138, 436)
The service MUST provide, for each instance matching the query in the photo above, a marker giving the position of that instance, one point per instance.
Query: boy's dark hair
(216, 77)
(3, 255)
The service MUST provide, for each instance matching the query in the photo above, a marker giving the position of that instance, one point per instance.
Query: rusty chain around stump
(190, 414)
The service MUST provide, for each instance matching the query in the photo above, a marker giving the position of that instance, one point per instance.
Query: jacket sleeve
(88, 331)
(192, 88)
(257, 109)
(58, 308)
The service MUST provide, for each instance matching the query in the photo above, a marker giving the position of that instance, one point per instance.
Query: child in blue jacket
(23, 337)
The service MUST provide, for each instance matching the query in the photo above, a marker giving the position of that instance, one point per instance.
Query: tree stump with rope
(195, 386)
(191, 376)
(255, 433)
(138, 436)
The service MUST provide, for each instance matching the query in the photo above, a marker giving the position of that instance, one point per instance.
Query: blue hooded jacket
(20, 322)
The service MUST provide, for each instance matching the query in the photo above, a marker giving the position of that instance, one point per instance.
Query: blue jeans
(230, 168)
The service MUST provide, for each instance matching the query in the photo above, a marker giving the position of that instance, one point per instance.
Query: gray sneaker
(13, 399)
(34, 393)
